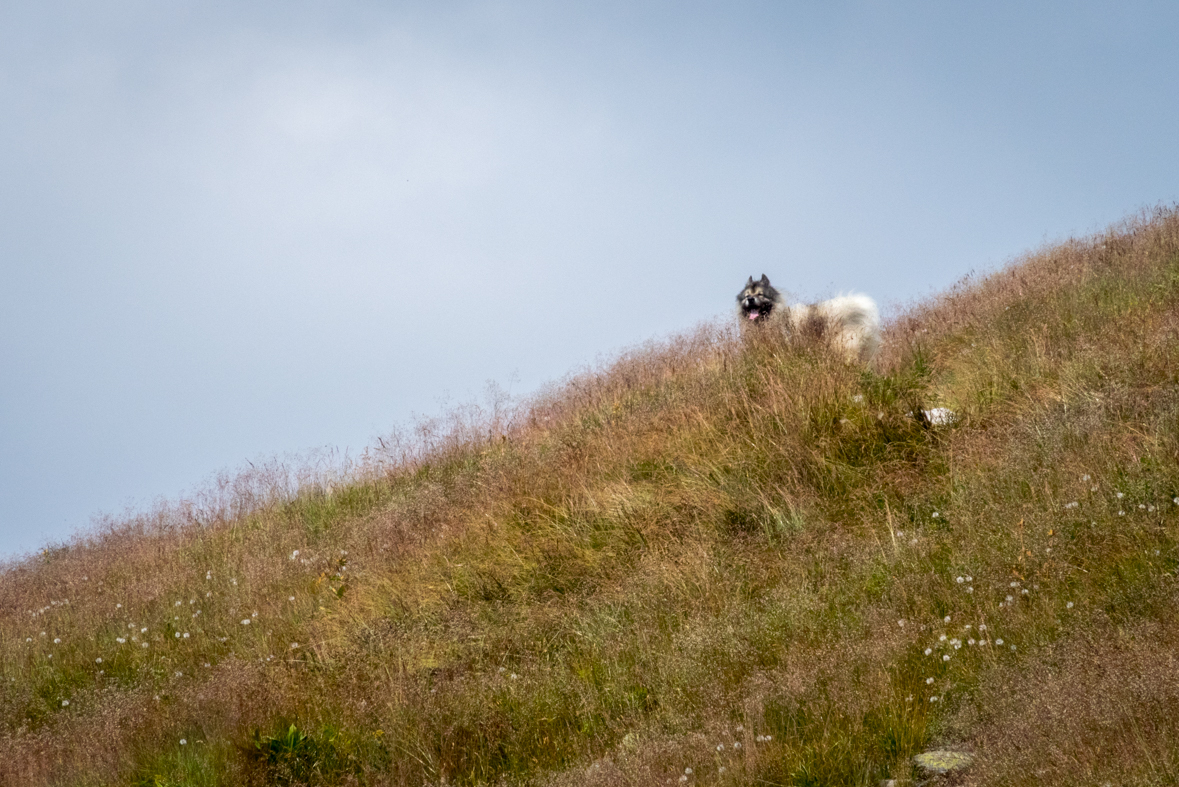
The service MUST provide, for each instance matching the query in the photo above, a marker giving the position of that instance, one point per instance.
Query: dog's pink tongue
(754, 315)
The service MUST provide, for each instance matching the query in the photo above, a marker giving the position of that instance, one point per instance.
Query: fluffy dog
(851, 323)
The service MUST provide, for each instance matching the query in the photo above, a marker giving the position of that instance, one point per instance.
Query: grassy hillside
(708, 562)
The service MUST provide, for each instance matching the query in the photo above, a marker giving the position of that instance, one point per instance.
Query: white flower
(246, 622)
(999, 642)
(65, 703)
(513, 676)
(177, 635)
(98, 660)
(946, 619)
(1068, 605)
(946, 657)
(1120, 495)
(294, 554)
(294, 645)
(143, 630)
(969, 579)
(1024, 591)
(1014, 584)
(208, 575)
(928, 651)
(183, 742)
(177, 604)
(186, 635)
(737, 745)
(982, 626)
(960, 580)
(970, 642)
(57, 640)
(292, 598)
(179, 674)
(936, 515)
(928, 681)
(683, 778)
(1085, 477)
(1010, 599)
(1013, 647)
(144, 644)
(970, 590)
(688, 771)
(118, 606)
(942, 638)
(933, 698)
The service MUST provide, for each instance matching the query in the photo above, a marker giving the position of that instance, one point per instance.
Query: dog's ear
(765, 280)
(750, 282)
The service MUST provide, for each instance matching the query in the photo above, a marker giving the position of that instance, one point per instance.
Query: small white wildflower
(292, 598)
(183, 742)
(946, 619)
(1068, 605)
(721, 746)
(688, 771)
(909, 698)
(970, 642)
(1013, 647)
(1085, 477)
(969, 579)
(928, 651)
(143, 630)
(179, 674)
(294, 554)
(970, 589)
(936, 515)
(118, 606)
(246, 622)
(928, 681)
(65, 703)
(294, 645)
(177, 635)
(208, 575)
(186, 635)
(960, 580)
(233, 581)
(1024, 591)
(1014, 584)
(1010, 599)
(206, 664)
(946, 657)
(721, 769)
(942, 638)
(999, 641)
(209, 594)
(769, 738)
(982, 642)
(57, 640)
(683, 778)
(933, 698)
(740, 728)
(737, 745)
(254, 614)
(1121, 495)
(1175, 500)
(513, 676)
(982, 626)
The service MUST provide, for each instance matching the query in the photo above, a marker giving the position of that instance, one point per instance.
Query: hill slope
(744, 560)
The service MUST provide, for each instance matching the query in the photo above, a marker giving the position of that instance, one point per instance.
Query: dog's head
(757, 300)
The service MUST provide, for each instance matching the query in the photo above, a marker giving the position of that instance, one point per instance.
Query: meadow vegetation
(709, 561)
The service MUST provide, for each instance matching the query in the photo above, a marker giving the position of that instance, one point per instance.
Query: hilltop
(707, 562)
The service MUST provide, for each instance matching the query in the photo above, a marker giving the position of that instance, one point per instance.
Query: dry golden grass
(698, 556)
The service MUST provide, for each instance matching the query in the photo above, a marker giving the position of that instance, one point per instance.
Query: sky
(239, 230)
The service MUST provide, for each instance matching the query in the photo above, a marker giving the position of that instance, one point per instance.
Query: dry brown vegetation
(745, 559)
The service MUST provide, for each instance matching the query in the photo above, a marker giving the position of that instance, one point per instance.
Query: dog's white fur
(854, 322)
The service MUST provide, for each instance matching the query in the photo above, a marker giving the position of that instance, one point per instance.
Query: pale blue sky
(234, 230)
